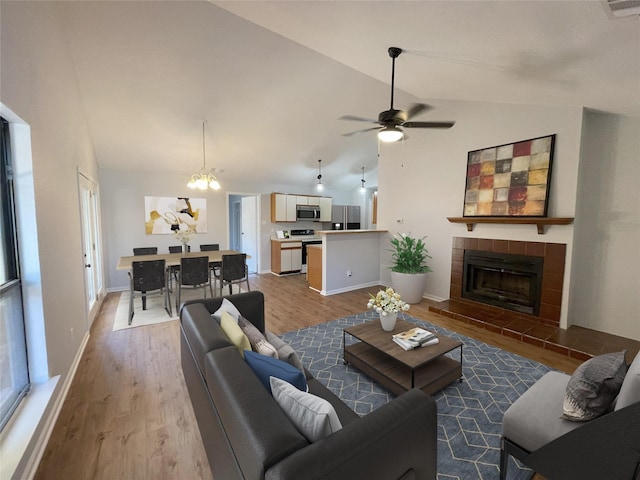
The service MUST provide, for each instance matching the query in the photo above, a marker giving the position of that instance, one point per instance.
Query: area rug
(469, 412)
(155, 312)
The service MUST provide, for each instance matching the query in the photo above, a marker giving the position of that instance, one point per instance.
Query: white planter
(410, 286)
(388, 320)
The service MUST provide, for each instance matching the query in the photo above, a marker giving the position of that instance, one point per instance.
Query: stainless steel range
(307, 236)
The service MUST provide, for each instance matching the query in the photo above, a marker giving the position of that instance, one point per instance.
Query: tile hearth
(576, 342)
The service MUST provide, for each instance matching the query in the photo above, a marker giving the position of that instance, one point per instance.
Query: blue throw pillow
(265, 367)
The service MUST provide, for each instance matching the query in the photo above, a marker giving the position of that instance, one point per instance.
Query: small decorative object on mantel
(510, 180)
(387, 303)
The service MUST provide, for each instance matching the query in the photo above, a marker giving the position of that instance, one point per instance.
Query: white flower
(387, 301)
(184, 235)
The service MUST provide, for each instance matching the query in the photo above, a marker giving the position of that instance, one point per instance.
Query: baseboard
(29, 464)
(351, 288)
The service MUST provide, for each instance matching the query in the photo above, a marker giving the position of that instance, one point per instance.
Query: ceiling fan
(391, 122)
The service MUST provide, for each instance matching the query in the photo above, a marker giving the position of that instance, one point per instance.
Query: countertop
(348, 232)
(302, 238)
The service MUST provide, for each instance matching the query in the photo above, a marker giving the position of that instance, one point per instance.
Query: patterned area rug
(469, 412)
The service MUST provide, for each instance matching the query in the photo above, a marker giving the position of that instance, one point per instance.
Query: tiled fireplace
(547, 259)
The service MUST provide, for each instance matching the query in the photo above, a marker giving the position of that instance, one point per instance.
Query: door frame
(257, 246)
(96, 252)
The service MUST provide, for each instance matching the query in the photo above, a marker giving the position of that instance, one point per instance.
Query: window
(14, 373)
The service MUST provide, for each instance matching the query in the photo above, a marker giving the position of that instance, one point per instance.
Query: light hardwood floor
(128, 414)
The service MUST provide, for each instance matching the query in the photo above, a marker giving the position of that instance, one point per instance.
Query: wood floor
(128, 415)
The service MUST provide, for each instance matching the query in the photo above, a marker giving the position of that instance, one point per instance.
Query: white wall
(605, 294)
(421, 181)
(39, 85)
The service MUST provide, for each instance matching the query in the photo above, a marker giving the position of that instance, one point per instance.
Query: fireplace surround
(502, 279)
(550, 287)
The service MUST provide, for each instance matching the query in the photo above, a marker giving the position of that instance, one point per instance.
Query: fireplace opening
(509, 281)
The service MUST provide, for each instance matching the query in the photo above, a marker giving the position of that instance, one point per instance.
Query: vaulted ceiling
(272, 78)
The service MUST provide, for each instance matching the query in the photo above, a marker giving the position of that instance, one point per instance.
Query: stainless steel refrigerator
(345, 217)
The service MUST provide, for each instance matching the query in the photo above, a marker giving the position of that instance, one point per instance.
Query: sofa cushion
(234, 332)
(535, 418)
(265, 367)
(228, 307)
(257, 340)
(285, 352)
(593, 387)
(313, 416)
(630, 390)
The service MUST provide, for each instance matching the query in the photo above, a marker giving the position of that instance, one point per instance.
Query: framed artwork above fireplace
(510, 180)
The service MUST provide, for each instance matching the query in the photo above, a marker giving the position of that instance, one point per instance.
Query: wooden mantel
(540, 222)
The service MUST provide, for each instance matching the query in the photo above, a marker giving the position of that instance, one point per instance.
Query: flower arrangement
(184, 235)
(387, 301)
(409, 254)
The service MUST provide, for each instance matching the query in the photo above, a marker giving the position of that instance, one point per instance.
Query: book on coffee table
(414, 338)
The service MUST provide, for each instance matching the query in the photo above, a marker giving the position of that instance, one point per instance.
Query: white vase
(410, 286)
(388, 320)
(185, 248)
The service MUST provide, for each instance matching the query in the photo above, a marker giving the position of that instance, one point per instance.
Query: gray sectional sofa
(247, 435)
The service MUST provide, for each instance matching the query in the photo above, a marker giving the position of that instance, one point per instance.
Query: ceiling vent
(622, 8)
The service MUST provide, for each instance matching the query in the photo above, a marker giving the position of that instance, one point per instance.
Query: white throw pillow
(226, 306)
(313, 416)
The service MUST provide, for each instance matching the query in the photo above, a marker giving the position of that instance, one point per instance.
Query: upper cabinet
(325, 209)
(283, 206)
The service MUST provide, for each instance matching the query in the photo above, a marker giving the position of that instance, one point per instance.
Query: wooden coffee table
(399, 370)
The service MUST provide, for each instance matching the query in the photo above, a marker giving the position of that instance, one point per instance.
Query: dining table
(173, 259)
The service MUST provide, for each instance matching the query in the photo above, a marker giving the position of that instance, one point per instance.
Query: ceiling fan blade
(360, 131)
(417, 109)
(357, 119)
(428, 124)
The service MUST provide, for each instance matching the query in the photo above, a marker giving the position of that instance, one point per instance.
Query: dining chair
(194, 272)
(213, 266)
(174, 269)
(148, 276)
(233, 271)
(145, 250)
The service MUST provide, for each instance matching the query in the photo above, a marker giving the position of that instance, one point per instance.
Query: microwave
(307, 212)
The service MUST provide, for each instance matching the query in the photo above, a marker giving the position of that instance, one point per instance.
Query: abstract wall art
(167, 214)
(510, 180)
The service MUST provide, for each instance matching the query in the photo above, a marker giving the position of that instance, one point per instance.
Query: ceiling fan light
(390, 134)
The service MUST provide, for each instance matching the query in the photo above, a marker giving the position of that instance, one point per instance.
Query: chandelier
(205, 179)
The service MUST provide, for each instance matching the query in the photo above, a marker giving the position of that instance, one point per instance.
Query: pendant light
(204, 179)
(362, 187)
(319, 186)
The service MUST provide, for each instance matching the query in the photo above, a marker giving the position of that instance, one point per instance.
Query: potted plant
(409, 269)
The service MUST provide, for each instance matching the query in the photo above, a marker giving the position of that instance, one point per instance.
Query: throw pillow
(285, 352)
(593, 386)
(234, 332)
(265, 367)
(226, 306)
(313, 416)
(630, 390)
(256, 338)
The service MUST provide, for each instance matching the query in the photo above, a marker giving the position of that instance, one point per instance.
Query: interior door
(91, 244)
(250, 231)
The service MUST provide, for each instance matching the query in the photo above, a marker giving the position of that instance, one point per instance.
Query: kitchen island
(350, 259)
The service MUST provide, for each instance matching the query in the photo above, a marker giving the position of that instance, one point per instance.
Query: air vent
(623, 8)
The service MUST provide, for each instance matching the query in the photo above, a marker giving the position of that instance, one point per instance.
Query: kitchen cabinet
(283, 207)
(286, 256)
(325, 209)
(314, 267)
